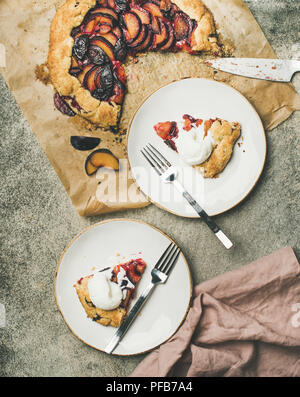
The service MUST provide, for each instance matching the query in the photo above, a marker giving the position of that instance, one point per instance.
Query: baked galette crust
(225, 135)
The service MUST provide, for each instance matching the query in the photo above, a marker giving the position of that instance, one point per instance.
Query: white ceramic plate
(201, 98)
(162, 314)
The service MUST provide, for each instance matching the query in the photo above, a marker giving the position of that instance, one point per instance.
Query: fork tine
(146, 150)
(172, 262)
(155, 159)
(162, 258)
(166, 260)
(161, 156)
(169, 260)
(151, 163)
(161, 162)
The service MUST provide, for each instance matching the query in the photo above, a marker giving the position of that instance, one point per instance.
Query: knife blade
(265, 69)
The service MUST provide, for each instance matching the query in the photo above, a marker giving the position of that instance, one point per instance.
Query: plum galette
(106, 294)
(205, 144)
(90, 41)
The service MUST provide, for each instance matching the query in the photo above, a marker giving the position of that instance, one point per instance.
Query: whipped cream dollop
(104, 294)
(194, 147)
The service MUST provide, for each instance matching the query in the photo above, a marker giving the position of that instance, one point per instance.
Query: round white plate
(205, 99)
(164, 311)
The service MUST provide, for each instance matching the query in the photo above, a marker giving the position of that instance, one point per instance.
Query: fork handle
(129, 319)
(207, 219)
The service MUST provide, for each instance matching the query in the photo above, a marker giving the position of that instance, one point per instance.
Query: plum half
(131, 25)
(101, 158)
(84, 142)
(183, 26)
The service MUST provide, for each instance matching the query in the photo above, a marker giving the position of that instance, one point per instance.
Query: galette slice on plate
(205, 144)
(106, 294)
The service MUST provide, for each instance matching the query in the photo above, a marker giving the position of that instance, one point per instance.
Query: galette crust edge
(70, 15)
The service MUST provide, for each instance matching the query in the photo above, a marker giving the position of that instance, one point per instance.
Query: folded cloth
(243, 323)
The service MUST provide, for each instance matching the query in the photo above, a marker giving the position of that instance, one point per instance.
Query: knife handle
(207, 219)
(129, 319)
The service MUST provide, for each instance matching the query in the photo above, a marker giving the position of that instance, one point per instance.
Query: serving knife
(281, 70)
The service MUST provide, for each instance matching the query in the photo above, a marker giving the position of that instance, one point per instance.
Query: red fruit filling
(134, 270)
(114, 29)
(168, 130)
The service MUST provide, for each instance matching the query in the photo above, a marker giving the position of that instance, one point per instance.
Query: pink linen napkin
(242, 323)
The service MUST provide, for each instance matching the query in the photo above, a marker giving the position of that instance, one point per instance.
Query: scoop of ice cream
(193, 146)
(104, 294)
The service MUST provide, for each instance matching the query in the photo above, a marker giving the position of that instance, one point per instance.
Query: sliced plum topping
(111, 37)
(115, 28)
(143, 14)
(117, 31)
(75, 69)
(154, 9)
(95, 24)
(105, 11)
(85, 70)
(100, 82)
(81, 45)
(141, 38)
(165, 5)
(148, 42)
(121, 5)
(97, 56)
(84, 142)
(89, 81)
(105, 45)
(169, 44)
(62, 105)
(75, 31)
(112, 4)
(155, 25)
(132, 25)
(182, 26)
(118, 92)
(104, 28)
(101, 94)
(161, 38)
(107, 78)
(120, 50)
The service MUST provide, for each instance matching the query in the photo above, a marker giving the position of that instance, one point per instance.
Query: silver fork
(159, 274)
(168, 174)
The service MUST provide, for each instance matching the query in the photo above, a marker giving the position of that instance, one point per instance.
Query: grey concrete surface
(37, 220)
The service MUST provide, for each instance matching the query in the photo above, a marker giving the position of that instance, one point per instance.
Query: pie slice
(91, 39)
(220, 134)
(127, 277)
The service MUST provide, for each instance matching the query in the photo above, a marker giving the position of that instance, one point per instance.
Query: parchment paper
(24, 31)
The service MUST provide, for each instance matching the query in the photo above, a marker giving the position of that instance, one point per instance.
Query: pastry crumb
(42, 73)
